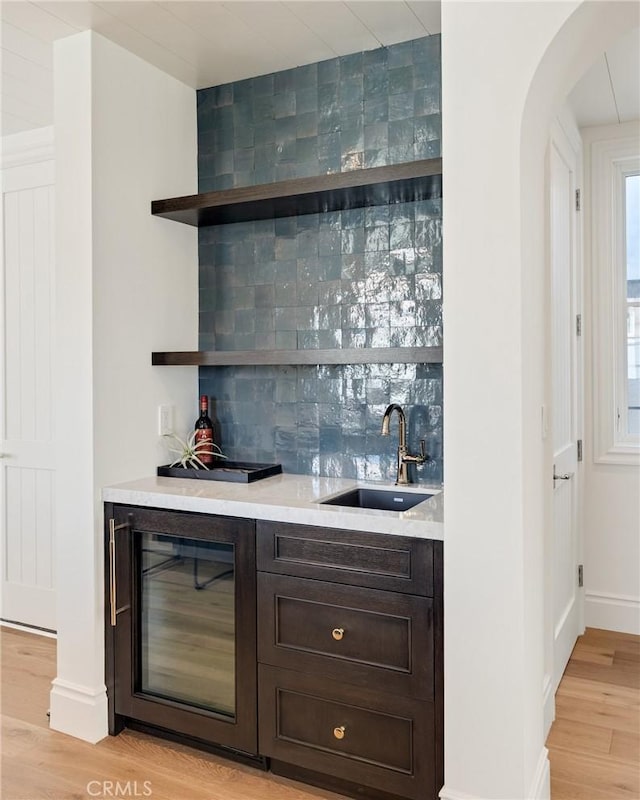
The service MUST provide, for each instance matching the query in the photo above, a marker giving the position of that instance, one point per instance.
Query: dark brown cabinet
(180, 625)
(315, 651)
(350, 677)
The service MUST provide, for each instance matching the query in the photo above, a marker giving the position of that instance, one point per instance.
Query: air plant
(190, 451)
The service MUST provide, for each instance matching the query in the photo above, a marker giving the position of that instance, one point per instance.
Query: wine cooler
(180, 619)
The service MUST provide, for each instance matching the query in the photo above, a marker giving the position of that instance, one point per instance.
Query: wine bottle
(204, 432)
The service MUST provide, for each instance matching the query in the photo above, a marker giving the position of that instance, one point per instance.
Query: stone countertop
(285, 498)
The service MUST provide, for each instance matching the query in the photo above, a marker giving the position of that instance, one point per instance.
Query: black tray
(233, 471)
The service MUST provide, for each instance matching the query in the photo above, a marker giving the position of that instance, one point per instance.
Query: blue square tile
(307, 126)
(328, 120)
(351, 66)
(284, 105)
(284, 81)
(285, 226)
(376, 158)
(286, 340)
(351, 161)
(306, 148)
(308, 340)
(376, 135)
(329, 71)
(308, 293)
(376, 59)
(427, 49)
(307, 100)
(223, 118)
(265, 297)
(286, 294)
(401, 106)
(263, 85)
(286, 270)
(243, 160)
(352, 241)
(351, 91)
(306, 76)
(401, 55)
(264, 132)
(376, 110)
(377, 239)
(401, 80)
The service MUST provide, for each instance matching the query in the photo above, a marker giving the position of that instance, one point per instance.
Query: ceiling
(200, 43)
(609, 92)
(204, 43)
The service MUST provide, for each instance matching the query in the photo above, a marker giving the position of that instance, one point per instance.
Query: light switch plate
(165, 419)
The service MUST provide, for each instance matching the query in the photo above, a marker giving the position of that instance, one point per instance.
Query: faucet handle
(407, 458)
(424, 456)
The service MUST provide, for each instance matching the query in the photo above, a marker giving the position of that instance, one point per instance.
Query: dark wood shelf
(372, 355)
(398, 183)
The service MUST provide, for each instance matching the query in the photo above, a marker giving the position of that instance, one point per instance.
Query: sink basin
(380, 499)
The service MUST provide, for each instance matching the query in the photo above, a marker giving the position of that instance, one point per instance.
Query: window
(631, 426)
(615, 273)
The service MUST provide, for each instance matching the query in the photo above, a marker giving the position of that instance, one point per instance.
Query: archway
(505, 67)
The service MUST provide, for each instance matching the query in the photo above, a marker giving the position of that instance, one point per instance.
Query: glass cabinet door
(187, 621)
(181, 636)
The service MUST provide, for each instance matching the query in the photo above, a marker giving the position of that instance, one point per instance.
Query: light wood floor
(594, 744)
(41, 764)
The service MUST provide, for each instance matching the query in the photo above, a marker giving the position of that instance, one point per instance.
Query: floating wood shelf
(371, 355)
(398, 183)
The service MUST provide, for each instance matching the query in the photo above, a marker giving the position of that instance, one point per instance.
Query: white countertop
(285, 498)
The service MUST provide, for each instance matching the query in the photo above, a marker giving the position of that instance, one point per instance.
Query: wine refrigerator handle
(112, 571)
(113, 606)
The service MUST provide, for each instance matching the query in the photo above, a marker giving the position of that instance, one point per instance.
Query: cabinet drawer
(377, 560)
(366, 737)
(363, 636)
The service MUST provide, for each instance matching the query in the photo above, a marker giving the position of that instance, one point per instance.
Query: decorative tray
(233, 471)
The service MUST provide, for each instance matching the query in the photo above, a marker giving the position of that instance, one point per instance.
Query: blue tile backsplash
(369, 277)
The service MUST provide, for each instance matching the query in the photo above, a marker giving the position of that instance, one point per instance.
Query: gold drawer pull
(339, 732)
(337, 634)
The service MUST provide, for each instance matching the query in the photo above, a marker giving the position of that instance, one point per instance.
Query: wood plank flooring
(594, 744)
(41, 764)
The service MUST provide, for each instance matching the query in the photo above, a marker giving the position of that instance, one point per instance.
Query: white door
(27, 425)
(563, 254)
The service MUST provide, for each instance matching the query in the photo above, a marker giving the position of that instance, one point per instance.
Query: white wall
(126, 285)
(505, 67)
(612, 502)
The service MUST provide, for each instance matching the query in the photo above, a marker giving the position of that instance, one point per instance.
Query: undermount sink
(380, 499)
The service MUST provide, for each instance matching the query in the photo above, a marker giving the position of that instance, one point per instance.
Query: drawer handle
(337, 634)
(339, 732)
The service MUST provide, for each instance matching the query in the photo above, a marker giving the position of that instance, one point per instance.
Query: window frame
(611, 161)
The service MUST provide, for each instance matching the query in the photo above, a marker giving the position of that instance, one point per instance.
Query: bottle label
(204, 436)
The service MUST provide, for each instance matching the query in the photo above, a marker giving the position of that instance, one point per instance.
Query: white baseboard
(18, 626)
(540, 786)
(78, 710)
(612, 612)
(548, 705)
(452, 794)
